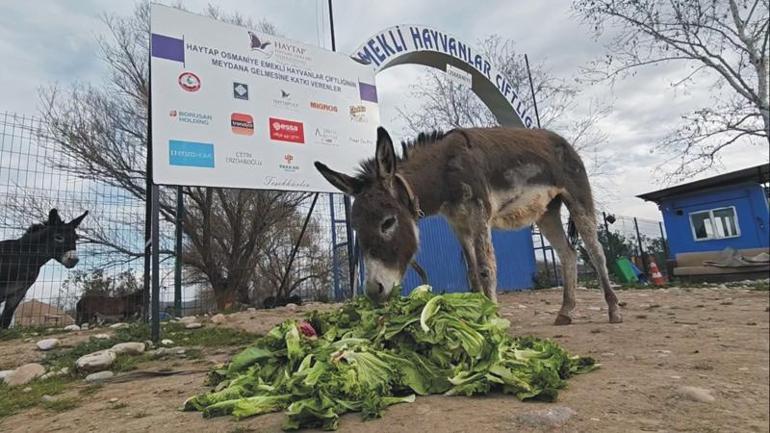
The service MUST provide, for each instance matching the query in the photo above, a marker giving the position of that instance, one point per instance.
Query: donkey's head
(59, 238)
(384, 215)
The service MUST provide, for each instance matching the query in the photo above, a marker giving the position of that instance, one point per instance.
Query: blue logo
(190, 153)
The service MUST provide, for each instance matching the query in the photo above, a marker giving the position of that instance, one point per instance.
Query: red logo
(189, 82)
(286, 130)
(242, 124)
(288, 158)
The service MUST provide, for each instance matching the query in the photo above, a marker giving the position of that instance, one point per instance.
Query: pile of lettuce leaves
(363, 358)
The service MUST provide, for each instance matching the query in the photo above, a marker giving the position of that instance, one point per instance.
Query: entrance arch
(440, 253)
(422, 45)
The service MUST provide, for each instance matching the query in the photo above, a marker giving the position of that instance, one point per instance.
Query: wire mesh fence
(235, 249)
(641, 241)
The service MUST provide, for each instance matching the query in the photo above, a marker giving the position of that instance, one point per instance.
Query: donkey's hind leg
(550, 226)
(585, 221)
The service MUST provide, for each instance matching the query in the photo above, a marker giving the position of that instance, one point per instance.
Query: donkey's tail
(572, 232)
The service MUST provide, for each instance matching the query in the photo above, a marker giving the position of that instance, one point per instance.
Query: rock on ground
(218, 318)
(119, 325)
(101, 336)
(167, 342)
(193, 325)
(100, 376)
(696, 394)
(96, 361)
(132, 348)
(24, 374)
(555, 416)
(5, 373)
(48, 344)
(72, 328)
(188, 319)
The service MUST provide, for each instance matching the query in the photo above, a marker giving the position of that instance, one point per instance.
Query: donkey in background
(479, 179)
(21, 259)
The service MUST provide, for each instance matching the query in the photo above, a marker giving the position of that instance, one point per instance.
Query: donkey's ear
(53, 218)
(386, 155)
(76, 222)
(347, 184)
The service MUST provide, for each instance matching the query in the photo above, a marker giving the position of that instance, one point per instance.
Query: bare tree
(101, 129)
(723, 41)
(444, 104)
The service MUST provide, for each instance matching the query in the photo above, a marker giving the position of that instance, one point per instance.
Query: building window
(718, 223)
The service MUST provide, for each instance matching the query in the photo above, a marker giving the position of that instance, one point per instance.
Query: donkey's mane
(34, 228)
(368, 169)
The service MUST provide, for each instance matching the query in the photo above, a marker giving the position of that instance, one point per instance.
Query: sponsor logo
(286, 130)
(242, 124)
(358, 113)
(190, 154)
(361, 140)
(243, 158)
(260, 45)
(325, 136)
(285, 101)
(191, 117)
(323, 107)
(286, 183)
(287, 165)
(241, 91)
(189, 82)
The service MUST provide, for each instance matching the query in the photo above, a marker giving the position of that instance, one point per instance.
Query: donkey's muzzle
(375, 291)
(69, 259)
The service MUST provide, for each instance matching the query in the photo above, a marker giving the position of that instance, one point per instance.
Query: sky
(60, 46)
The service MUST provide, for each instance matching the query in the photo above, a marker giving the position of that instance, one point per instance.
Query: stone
(27, 389)
(188, 319)
(24, 374)
(5, 373)
(694, 393)
(96, 361)
(555, 416)
(119, 325)
(48, 398)
(193, 325)
(148, 344)
(48, 344)
(100, 376)
(72, 328)
(251, 310)
(218, 318)
(101, 336)
(84, 326)
(131, 348)
(291, 306)
(167, 342)
(113, 400)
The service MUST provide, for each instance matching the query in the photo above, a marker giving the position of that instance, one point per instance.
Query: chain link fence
(235, 249)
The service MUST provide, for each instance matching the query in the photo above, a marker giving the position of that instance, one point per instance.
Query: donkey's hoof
(615, 317)
(561, 320)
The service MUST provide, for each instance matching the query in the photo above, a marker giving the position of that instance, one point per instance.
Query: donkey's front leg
(471, 268)
(485, 262)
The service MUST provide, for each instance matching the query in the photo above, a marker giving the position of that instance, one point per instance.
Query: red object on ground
(306, 329)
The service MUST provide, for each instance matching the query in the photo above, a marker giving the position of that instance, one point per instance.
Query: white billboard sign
(236, 108)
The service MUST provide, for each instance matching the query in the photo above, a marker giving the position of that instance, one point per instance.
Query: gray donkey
(479, 179)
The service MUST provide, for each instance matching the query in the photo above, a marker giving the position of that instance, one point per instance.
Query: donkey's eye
(58, 238)
(387, 224)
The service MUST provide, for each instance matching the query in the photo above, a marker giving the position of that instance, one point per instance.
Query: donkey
(478, 179)
(94, 308)
(21, 259)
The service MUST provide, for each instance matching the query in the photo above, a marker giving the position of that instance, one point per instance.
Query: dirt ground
(706, 337)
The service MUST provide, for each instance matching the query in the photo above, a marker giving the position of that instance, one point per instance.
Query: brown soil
(708, 338)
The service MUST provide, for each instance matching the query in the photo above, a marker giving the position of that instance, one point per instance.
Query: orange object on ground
(656, 276)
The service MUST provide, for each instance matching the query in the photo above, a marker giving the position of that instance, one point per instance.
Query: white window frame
(711, 220)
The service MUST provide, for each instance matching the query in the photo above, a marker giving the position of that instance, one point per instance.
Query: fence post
(178, 253)
(641, 249)
(607, 238)
(664, 240)
(335, 260)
